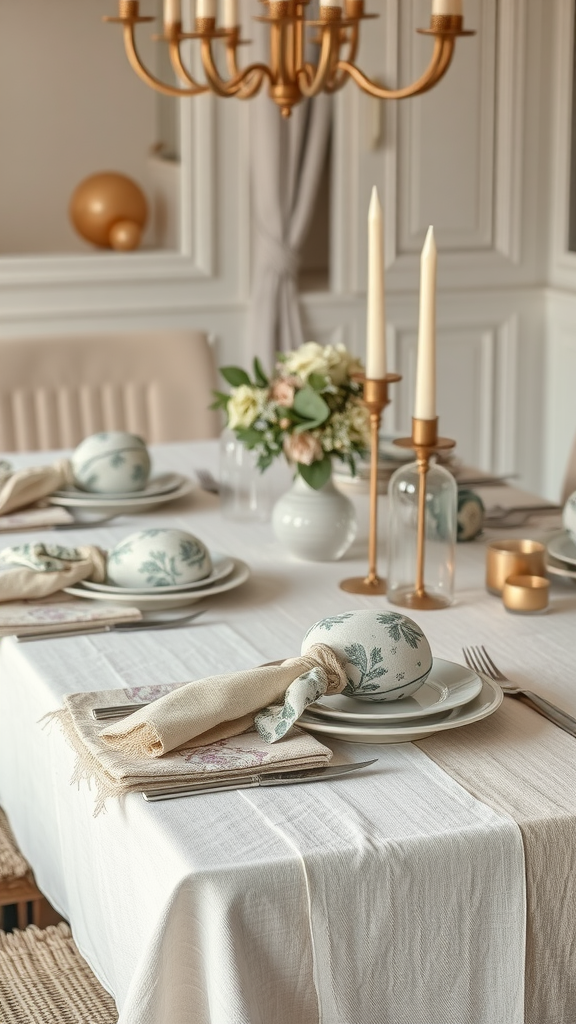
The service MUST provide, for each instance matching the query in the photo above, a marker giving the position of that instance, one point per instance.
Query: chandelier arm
(338, 79)
(179, 68)
(138, 67)
(234, 85)
(310, 81)
(439, 64)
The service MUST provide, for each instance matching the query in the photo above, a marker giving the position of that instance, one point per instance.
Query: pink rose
(282, 392)
(303, 448)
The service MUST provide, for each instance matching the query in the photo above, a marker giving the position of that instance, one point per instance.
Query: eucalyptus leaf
(311, 405)
(234, 376)
(249, 436)
(259, 374)
(317, 474)
(317, 381)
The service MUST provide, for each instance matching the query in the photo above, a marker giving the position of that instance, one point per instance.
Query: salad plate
(222, 566)
(118, 505)
(161, 484)
(562, 547)
(448, 686)
(157, 601)
(484, 704)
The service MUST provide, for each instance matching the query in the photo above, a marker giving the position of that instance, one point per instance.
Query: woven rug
(44, 980)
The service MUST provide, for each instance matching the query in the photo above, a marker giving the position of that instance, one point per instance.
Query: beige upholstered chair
(56, 391)
(44, 980)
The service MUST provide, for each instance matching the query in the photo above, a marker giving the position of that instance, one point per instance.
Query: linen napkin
(270, 698)
(35, 518)
(24, 487)
(20, 618)
(116, 772)
(43, 569)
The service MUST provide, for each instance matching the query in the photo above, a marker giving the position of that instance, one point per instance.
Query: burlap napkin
(115, 772)
(25, 486)
(43, 569)
(270, 698)
(20, 618)
(36, 517)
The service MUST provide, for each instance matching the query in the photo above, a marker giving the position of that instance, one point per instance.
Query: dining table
(435, 887)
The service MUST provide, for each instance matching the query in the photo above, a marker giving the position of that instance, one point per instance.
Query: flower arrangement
(310, 410)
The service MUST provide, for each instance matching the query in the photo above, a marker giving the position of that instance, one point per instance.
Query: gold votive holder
(506, 558)
(526, 594)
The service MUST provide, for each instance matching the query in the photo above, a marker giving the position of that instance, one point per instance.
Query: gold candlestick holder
(425, 442)
(375, 397)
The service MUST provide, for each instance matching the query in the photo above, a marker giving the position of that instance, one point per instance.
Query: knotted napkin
(269, 698)
(25, 486)
(43, 569)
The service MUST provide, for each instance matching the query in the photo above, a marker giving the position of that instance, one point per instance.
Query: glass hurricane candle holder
(435, 587)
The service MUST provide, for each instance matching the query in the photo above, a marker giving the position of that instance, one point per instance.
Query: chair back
(56, 391)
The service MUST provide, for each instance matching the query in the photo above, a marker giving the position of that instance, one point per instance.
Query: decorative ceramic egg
(569, 516)
(113, 462)
(385, 654)
(158, 558)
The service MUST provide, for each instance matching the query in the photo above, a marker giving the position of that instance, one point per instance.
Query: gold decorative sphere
(109, 210)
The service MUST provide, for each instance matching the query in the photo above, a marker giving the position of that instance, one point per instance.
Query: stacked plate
(227, 574)
(451, 697)
(159, 490)
(561, 555)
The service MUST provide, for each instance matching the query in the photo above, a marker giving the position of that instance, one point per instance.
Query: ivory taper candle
(376, 318)
(330, 3)
(172, 13)
(230, 18)
(206, 9)
(447, 7)
(425, 400)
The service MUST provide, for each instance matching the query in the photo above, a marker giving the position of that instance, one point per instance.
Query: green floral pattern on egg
(385, 654)
(158, 558)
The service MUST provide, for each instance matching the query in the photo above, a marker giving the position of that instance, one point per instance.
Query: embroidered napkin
(116, 772)
(44, 569)
(270, 698)
(20, 618)
(24, 487)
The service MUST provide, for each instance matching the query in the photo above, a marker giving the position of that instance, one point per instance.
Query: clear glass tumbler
(440, 525)
(244, 491)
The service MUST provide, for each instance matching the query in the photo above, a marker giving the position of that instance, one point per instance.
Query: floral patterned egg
(112, 462)
(569, 516)
(158, 558)
(385, 654)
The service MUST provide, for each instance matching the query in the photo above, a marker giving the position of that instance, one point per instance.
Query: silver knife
(287, 778)
(113, 627)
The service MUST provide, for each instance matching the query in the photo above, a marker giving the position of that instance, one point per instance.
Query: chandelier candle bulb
(376, 319)
(447, 7)
(172, 13)
(230, 19)
(425, 399)
(206, 9)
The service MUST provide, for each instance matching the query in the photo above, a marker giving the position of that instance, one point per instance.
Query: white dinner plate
(448, 686)
(117, 506)
(562, 547)
(159, 602)
(223, 565)
(162, 484)
(556, 568)
(487, 701)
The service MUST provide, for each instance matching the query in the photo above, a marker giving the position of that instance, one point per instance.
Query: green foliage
(259, 375)
(317, 473)
(312, 407)
(234, 376)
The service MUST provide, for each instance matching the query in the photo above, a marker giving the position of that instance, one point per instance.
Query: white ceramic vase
(316, 525)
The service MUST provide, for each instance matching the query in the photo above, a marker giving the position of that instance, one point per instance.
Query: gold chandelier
(290, 77)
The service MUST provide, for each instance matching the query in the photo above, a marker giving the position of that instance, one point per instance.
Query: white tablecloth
(396, 897)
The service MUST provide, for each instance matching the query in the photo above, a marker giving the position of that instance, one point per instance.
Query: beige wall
(69, 106)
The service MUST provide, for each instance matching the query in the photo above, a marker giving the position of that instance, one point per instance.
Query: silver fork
(477, 658)
(207, 481)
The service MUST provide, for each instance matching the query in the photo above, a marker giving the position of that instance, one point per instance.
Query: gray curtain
(287, 157)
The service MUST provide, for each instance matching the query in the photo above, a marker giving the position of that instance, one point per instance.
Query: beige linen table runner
(517, 762)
